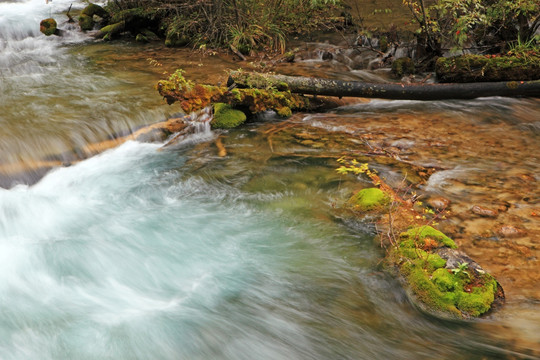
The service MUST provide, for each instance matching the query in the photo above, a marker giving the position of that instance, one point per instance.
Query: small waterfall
(198, 129)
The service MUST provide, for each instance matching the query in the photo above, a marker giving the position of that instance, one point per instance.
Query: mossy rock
(383, 44)
(428, 295)
(289, 56)
(417, 236)
(284, 111)
(48, 27)
(94, 9)
(447, 283)
(149, 35)
(403, 66)
(174, 39)
(471, 68)
(86, 22)
(110, 31)
(446, 292)
(141, 38)
(137, 20)
(479, 300)
(370, 199)
(86, 18)
(225, 117)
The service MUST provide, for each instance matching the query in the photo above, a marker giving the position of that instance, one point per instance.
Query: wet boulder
(48, 27)
(86, 18)
(484, 212)
(441, 279)
(146, 36)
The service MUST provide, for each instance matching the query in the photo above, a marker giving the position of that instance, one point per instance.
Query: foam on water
(120, 256)
(23, 49)
(53, 96)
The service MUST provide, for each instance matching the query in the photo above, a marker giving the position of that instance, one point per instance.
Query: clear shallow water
(143, 252)
(126, 255)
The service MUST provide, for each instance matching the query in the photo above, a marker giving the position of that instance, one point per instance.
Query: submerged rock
(484, 212)
(510, 231)
(438, 278)
(438, 203)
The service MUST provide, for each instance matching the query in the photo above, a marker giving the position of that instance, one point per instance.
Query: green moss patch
(109, 32)
(86, 18)
(193, 97)
(460, 292)
(48, 27)
(369, 199)
(445, 291)
(471, 68)
(427, 291)
(94, 9)
(478, 300)
(225, 117)
(86, 22)
(421, 235)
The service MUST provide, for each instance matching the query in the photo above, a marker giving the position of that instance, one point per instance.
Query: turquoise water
(126, 255)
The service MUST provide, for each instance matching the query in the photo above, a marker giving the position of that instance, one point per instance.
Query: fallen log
(341, 88)
(476, 68)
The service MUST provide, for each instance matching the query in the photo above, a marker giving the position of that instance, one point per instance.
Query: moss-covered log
(193, 97)
(471, 68)
(317, 86)
(440, 278)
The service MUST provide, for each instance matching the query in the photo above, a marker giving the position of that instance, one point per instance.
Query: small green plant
(525, 48)
(354, 167)
(462, 269)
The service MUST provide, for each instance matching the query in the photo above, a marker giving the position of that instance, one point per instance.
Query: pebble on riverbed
(438, 203)
(510, 231)
(484, 212)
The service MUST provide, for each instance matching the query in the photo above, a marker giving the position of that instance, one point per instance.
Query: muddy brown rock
(438, 203)
(510, 231)
(484, 212)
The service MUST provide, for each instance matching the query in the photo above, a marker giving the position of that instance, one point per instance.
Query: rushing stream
(152, 252)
